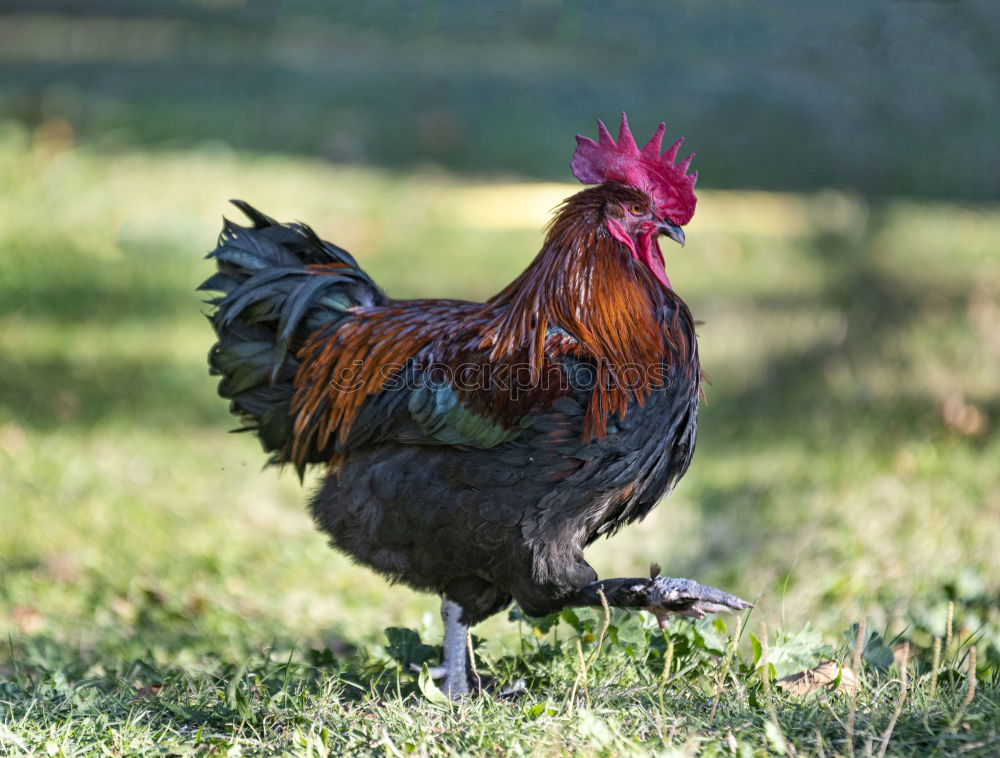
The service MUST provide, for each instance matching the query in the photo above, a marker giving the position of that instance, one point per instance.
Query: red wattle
(649, 252)
(652, 256)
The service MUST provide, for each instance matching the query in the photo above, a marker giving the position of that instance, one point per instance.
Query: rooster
(474, 450)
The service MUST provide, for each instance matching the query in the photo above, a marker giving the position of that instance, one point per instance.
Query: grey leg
(455, 654)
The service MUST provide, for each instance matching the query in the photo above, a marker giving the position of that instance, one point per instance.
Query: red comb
(668, 183)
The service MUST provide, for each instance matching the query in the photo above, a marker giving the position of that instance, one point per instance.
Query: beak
(671, 230)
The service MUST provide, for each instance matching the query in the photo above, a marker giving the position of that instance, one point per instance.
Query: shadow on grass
(795, 398)
(46, 393)
(59, 282)
(264, 697)
(129, 302)
(112, 299)
(56, 683)
(816, 398)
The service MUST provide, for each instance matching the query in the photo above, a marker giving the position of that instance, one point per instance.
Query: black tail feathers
(280, 284)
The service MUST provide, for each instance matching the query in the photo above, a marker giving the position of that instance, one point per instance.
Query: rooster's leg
(660, 595)
(453, 671)
(455, 652)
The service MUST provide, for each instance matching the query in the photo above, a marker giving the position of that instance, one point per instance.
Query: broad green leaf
(757, 648)
(406, 647)
(790, 654)
(429, 688)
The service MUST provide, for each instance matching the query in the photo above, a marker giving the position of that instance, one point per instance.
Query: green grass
(847, 469)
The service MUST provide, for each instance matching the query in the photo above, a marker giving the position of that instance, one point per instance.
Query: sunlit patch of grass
(846, 466)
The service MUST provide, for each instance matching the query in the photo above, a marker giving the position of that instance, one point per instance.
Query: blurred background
(897, 97)
(844, 260)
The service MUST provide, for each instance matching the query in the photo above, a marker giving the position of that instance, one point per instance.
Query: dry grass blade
(949, 629)
(585, 662)
(903, 685)
(935, 665)
(970, 691)
(859, 646)
(772, 729)
(765, 675)
(970, 694)
(668, 662)
(582, 673)
(472, 659)
(725, 668)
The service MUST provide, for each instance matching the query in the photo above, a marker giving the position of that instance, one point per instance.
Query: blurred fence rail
(898, 97)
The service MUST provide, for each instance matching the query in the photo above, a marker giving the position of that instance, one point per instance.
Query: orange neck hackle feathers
(583, 281)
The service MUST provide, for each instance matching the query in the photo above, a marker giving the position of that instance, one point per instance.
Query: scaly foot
(685, 597)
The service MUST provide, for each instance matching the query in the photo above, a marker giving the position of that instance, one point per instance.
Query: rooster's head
(654, 195)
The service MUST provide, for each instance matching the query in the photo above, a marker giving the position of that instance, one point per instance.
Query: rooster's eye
(636, 209)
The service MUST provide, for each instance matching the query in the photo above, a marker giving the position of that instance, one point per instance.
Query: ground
(159, 591)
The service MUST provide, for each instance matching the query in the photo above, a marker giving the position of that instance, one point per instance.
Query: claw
(515, 689)
(662, 618)
(685, 597)
(435, 672)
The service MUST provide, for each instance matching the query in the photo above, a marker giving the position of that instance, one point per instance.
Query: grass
(160, 593)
